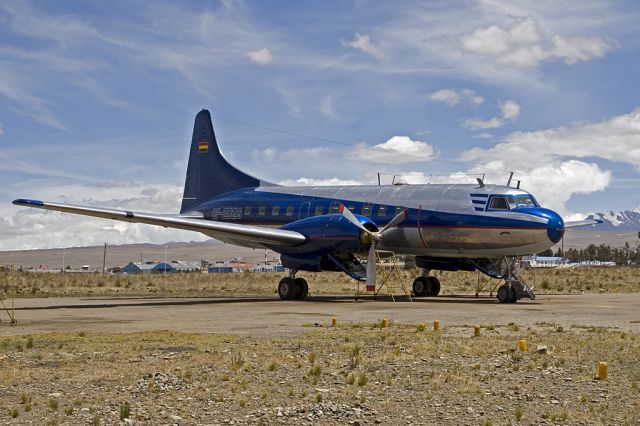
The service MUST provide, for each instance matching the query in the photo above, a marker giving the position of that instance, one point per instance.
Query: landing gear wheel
(433, 288)
(303, 288)
(514, 296)
(287, 289)
(505, 294)
(420, 285)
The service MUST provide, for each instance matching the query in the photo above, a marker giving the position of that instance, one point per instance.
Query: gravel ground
(355, 373)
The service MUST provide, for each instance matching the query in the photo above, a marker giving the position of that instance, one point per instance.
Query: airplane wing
(247, 235)
(578, 223)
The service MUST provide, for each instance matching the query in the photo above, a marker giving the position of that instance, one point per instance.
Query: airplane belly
(481, 238)
(466, 241)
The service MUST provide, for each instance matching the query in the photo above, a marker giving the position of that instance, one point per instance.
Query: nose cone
(555, 225)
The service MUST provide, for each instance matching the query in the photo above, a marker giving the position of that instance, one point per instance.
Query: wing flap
(249, 234)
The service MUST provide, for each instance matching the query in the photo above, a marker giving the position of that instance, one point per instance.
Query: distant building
(148, 268)
(543, 261)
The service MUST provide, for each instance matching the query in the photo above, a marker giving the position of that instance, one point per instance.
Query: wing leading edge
(578, 223)
(247, 235)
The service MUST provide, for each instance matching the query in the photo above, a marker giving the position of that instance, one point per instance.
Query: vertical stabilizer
(208, 173)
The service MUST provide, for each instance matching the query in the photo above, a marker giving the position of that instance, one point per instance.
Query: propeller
(375, 237)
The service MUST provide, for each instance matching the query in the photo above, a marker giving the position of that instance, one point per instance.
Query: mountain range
(626, 220)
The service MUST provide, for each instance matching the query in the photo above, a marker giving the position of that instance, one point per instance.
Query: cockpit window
(511, 201)
(525, 201)
(498, 203)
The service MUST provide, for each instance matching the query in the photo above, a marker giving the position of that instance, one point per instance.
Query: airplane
(450, 227)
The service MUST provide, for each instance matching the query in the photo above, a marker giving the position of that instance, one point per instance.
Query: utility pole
(104, 259)
(63, 253)
(165, 259)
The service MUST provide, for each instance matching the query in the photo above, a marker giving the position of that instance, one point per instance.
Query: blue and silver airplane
(447, 227)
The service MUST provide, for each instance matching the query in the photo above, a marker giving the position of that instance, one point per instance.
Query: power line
(351, 145)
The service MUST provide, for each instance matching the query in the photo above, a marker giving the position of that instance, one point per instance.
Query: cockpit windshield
(525, 201)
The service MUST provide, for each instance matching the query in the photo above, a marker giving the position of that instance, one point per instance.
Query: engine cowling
(329, 233)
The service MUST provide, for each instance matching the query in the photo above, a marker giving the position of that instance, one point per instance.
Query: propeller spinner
(374, 237)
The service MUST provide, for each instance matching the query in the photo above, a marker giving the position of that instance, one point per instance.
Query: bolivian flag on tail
(203, 146)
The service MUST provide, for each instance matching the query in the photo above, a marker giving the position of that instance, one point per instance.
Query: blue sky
(97, 101)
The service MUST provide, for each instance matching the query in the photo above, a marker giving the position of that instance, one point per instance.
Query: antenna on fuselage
(378, 179)
(481, 181)
(509, 180)
(518, 185)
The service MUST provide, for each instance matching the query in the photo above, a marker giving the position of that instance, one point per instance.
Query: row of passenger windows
(382, 211)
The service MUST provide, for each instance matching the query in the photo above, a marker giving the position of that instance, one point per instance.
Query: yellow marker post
(476, 330)
(522, 344)
(603, 370)
(436, 325)
(334, 322)
(385, 323)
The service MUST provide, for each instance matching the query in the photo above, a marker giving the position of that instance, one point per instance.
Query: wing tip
(27, 202)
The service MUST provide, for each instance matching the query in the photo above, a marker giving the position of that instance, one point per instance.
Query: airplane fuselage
(454, 220)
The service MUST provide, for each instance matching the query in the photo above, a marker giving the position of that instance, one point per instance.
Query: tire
(434, 286)
(287, 289)
(420, 285)
(303, 288)
(514, 296)
(505, 294)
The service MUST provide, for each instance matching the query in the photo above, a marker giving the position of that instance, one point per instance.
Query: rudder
(208, 173)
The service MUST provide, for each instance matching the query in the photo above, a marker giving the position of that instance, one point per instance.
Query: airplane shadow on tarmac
(126, 302)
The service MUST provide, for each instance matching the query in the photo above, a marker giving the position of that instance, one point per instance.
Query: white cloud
(397, 150)
(303, 181)
(509, 112)
(553, 183)
(363, 42)
(614, 139)
(451, 97)
(267, 154)
(523, 44)
(262, 56)
(483, 136)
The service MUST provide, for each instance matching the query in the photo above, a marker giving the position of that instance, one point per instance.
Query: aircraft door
(304, 210)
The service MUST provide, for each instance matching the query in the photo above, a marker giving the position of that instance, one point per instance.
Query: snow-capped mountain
(627, 220)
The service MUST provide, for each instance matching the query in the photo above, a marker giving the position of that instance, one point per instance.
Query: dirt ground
(257, 360)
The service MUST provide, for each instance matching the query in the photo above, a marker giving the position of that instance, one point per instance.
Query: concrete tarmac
(268, 316)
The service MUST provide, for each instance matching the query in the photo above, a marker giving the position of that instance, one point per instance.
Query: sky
(97, 101)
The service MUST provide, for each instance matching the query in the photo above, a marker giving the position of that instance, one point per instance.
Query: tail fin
(208, 173)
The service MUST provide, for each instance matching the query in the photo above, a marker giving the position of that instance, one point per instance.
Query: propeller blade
(371, 268)
(351, 218)
(396, 220)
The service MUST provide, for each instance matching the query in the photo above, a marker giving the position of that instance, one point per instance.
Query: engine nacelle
(329, 233)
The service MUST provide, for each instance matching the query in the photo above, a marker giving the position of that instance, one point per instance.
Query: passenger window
(399, 210)
(353, 209)
(382, 211)
(247, 211)
(366, 210)
(498, 203)
(262, 210)
(289, 211)
(275, 211)
(319, 210)
(335, 206)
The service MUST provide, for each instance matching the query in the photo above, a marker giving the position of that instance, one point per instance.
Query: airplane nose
(555, 226)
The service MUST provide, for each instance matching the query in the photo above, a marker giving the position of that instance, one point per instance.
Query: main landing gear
(292, 288)
(426, 285)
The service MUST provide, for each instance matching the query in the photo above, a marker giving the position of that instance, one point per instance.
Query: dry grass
(579, 280)
(150, 377)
